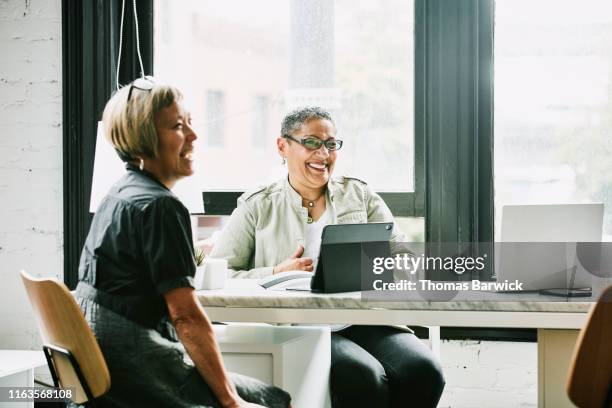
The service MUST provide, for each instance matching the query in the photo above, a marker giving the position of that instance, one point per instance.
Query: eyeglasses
(143, 84)
(314, 143)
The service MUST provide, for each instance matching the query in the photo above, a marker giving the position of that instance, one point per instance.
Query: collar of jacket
(296, 199)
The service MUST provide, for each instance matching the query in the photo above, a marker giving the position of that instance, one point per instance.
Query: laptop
(538, 244)
(345, 260)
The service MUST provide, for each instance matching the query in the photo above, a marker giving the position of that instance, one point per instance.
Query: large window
(553, 103)
(260, 122)
(255, 61)
(215, 119)
(409, 83)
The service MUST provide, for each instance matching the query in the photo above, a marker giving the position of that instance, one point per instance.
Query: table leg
(434, 338)
(555, 349)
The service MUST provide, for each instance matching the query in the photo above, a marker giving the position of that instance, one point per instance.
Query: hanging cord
(120, 44)
(142, 74)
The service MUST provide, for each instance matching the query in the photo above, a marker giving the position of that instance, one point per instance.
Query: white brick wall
(30, 158)
(489, 374)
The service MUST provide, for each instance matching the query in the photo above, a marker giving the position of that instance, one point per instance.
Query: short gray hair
(295, 119)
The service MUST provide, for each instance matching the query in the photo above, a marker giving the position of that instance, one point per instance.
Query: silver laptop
(549, 260)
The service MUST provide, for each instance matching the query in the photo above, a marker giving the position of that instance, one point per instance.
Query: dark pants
(149, 370)
(379, 366)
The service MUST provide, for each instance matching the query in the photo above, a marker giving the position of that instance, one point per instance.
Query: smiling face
(175, 145)
(309, 170)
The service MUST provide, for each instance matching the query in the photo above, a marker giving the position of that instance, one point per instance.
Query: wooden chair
(72, 352)
(590, 373)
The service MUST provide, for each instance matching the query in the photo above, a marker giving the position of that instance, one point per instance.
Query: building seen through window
(215, 118)
(260, 122)
(553, 103)
(243, 65)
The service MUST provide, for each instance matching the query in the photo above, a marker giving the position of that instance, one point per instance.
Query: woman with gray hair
(137, 267)
(278, 227)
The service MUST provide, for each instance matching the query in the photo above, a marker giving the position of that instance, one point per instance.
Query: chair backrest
(590, 373)
(61, 324)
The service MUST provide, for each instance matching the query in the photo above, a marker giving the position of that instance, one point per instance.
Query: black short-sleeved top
(139, 247)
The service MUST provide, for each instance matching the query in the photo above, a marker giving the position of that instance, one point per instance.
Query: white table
(17, 370)
(557, 322)
(296, 359)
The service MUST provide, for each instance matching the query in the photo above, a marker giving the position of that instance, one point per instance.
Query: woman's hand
(295, 263)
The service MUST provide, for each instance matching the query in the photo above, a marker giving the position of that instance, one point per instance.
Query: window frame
(474, 210)
(90, 43)
(473, 128)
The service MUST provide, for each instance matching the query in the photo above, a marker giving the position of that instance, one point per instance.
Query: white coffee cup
(212, 274)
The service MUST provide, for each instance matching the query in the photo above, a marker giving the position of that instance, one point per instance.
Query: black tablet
(347, 254)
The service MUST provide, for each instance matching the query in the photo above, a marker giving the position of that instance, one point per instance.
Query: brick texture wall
(489, 374)
(30, 158)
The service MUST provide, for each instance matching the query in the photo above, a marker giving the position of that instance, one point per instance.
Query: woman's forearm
(255, 273)
(196, 334)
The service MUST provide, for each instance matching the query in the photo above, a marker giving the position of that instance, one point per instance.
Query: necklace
(310, 205)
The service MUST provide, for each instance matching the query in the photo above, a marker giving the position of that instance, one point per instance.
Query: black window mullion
(485, 143)
(224, 202)
(455, 45)
(90, 40)
(457, 37)
(401, 204)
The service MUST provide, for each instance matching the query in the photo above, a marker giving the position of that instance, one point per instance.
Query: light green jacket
(269, 223)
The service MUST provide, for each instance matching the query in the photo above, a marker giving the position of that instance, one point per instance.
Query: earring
(141, 165)
(284, 160)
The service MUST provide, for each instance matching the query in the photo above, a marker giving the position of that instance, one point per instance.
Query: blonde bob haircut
(130, 125)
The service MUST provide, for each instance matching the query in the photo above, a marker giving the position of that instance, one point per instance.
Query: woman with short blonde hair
(129, 123)
(136, 271)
